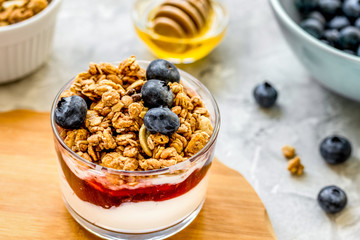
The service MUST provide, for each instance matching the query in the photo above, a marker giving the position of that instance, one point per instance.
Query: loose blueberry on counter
(332, 199)
(70, 112)
(306, 6)
(349, 38)
(313, 27)
(329, 8)
(161, 120)
(318, 16)
(351, 9)
(339, 22)
(156, 93)
(335, 149)
(162, 70)
(265, 95)
(332, 36)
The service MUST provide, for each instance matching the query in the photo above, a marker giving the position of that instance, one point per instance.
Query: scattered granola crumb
(295, 166)
(288, 151)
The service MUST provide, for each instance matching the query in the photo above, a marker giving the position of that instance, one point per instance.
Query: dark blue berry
(335, 149)
(70, 112)
(329, 8)
(338, 22)
(357, 23)
(318, 16)
(348, 51)
(313, 27)
(162, 70)
(358, 52)
(306, 6)
(161, 120)
(326, 42)
(156, 93)
(332, 199)
(332, 36)
(351, 9)
(265, 95)
(349, 38)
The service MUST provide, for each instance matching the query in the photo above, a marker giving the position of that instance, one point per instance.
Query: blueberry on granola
(156, 93)
(332, 199)
(265, 95)
(335, 149)
(70, 112)
(162, 70)
(161, 120)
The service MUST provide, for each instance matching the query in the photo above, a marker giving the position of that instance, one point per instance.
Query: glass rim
(178, 166)
(224, 22)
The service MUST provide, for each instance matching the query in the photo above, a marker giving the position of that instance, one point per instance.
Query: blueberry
(351, 9)
(338, 22)
(265, 95)
(306, 6)
(329, 8)
(348, 51)
(156, 93)
(332, 36)
(349, 38)
(332, 199)
(161, 120)
(358, 52)
(335, 149)
(162, 70)
(357, 23)
(318, 16)
(313, 27)
(70, 112)
(326, 42)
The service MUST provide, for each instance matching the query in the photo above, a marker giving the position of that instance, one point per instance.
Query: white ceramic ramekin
(26, 45)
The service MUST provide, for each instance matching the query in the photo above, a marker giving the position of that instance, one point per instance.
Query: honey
(181, 47)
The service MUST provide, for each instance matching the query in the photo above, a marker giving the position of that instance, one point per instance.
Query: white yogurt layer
(138, 217)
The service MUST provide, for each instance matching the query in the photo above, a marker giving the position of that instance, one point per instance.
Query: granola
(288, 151)
(114, 135)
(14, 11)
(295, 166)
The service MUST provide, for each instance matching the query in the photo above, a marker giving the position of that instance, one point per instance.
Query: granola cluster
(114, 135)
(14, 11)
(294, 165)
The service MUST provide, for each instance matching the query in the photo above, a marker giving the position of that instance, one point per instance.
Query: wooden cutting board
(31, 206)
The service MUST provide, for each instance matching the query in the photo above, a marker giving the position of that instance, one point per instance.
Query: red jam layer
(95, 193)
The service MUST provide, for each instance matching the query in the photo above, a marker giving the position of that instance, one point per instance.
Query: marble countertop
(250, 139)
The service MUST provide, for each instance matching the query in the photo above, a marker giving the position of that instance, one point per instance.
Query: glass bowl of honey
(181, 31)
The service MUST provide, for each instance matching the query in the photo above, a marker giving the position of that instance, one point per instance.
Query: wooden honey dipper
(181, 18)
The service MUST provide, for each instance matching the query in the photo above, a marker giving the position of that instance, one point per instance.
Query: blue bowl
(336, 70)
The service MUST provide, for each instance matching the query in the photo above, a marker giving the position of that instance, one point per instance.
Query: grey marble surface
(250, 138)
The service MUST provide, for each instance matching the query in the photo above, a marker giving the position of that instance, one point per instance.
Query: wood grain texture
(31, 206)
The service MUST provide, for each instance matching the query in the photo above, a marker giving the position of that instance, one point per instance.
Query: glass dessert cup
(153, 204)
(180, 50)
